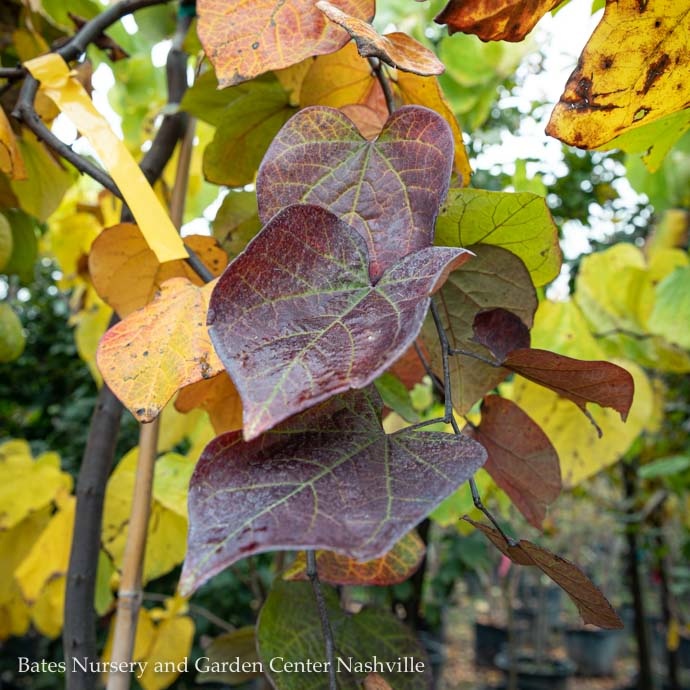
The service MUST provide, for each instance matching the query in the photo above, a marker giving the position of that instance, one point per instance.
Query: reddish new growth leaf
(329, 478)
(243, 39)
(389, 189)
(591, 603)
(500, 331)
(295, 318)
(494, 20)
(397, 49)
(392, 568)
(581, 381)
(521, 459)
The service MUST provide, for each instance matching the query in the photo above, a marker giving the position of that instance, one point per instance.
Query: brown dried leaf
(397, 49)
(591, 603)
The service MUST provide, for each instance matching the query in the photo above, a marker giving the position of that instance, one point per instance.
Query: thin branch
(438, 385)
(313, 574)
(467, 353)
(377, 68)
(450, 418)
(12, 73)
(78, 44)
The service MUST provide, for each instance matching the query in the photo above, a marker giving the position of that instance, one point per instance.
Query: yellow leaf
(342, 78)
(176, 426)
(47, 611)
(90, 322)
(11, 162)
(15, 544)
(167, 532)
(49, 556)
(171, 646)
(143, 641)
(148, 356)
(127, 274)
(69, 95)
(426, 91)
(632, 72)
(27, 485)
(173, 472)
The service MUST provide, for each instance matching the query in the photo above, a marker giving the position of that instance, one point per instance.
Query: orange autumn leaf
(494, 20)
(244, 39)
(368, 121)
(390, 569)
(426, 91)
(127, 274)
(375, 682)
(217, 396)
(11, 162)
(152, 353)
(396, 49)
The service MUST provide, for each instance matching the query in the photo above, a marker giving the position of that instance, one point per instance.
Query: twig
(78, 44)
(450, 418)
(201, 611)
(623, 331)
(313, 574)
(468, 353)
(427, 368)
(377, 68)
(130, 593)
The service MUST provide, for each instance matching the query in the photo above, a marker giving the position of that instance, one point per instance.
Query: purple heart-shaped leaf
(295, 318)
(330, 478)
(389, 189)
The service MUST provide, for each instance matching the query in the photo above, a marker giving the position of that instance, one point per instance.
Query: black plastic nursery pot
(489, 641)
(544, 674)
(594, 652)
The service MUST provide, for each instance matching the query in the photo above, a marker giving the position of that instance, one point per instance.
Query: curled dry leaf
(329, 478)
(127, 274)
(318, 327)
(591, 603)
(397, 49)
(520, 459)
(244, 39)
(149, 355)
(494, 20)
(392, 568)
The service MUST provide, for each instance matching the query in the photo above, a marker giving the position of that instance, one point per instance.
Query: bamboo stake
(130, 592)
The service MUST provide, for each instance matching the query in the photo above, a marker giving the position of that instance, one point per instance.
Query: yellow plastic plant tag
(71, 98)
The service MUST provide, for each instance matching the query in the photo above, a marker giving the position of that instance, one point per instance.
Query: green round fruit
(5, 241)
(12, 339)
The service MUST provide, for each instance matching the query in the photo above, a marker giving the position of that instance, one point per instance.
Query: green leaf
(396, 396)
(47, 180)
(226, 650)
(24, 245)
(665, 467)
(519, 222)
(654, 140)
(671, 313)
(247, 118)
(237, 221)
(289, 630)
